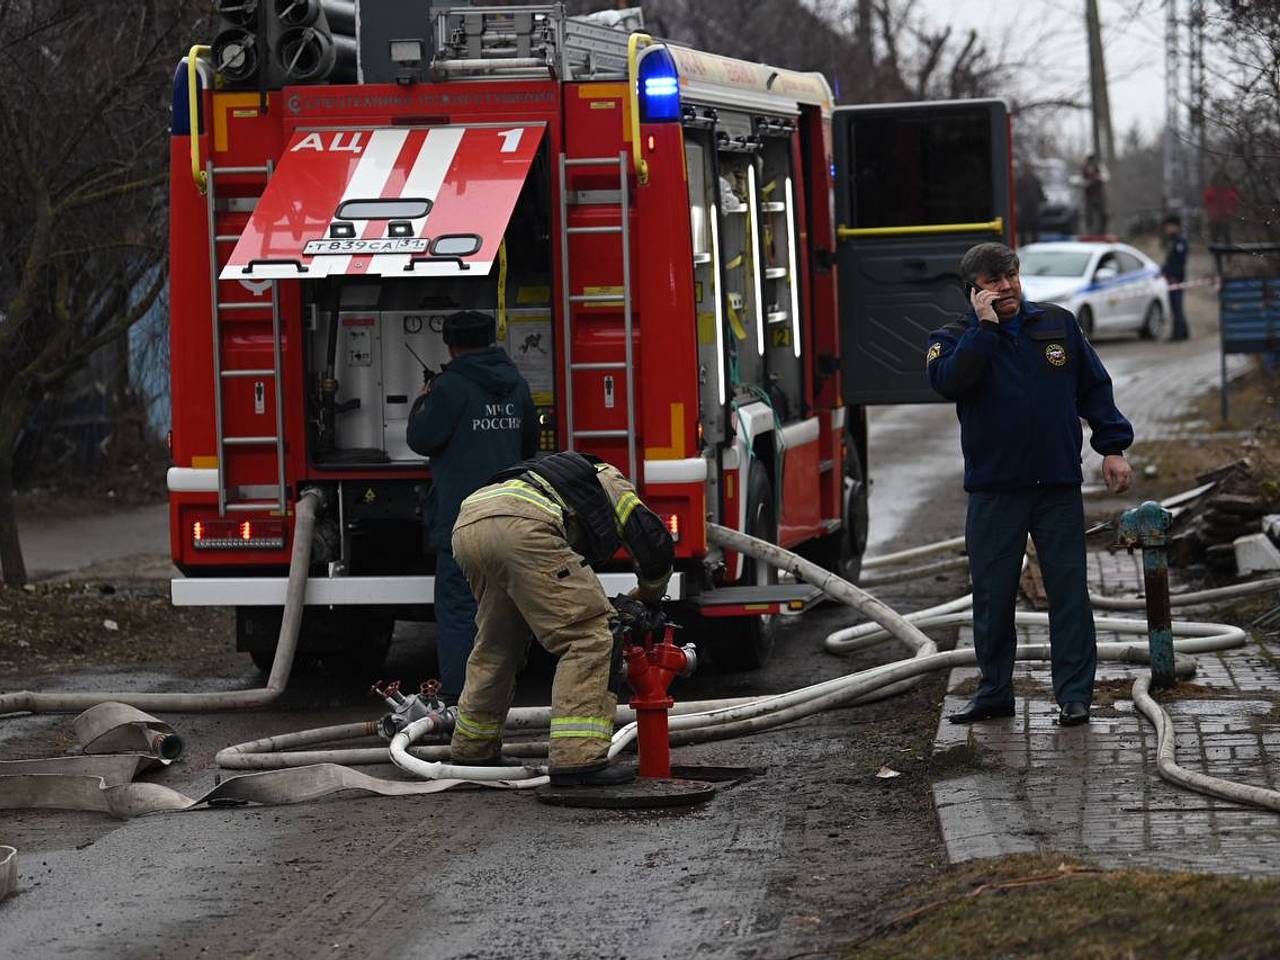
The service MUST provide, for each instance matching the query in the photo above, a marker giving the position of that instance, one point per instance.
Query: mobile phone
(969, 290)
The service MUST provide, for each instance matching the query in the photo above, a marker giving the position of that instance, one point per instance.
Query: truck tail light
(672, 520)
(237, 534)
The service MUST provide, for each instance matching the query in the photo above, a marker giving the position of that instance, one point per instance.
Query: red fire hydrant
(650, 669)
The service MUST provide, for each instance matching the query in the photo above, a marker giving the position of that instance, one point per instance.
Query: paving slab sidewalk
(1025, 784)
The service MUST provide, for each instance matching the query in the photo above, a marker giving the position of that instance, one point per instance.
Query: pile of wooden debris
(1237, 505)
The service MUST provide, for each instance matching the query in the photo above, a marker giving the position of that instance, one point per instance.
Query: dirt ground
(1252, 434)
(52, 628)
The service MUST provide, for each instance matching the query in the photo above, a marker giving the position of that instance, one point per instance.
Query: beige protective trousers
(525, 577)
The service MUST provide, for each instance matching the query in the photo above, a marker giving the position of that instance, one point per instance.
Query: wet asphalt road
(796, 859)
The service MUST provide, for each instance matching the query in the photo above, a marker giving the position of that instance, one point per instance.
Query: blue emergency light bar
(659, 86)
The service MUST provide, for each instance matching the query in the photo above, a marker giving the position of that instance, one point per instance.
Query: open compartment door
(390, 201)
(916, 186)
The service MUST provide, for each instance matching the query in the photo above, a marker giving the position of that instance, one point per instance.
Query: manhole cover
(637, 795)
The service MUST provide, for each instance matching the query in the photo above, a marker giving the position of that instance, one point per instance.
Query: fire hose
(694, 721)
(290, 777)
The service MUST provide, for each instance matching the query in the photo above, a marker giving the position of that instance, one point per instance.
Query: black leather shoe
(611, 775)
(1073, 714)
(981, 711)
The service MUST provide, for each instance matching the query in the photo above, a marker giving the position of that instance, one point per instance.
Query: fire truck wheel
(367, 642)
(841, 552)
(354, 643)
(746, 643)
(262, 659)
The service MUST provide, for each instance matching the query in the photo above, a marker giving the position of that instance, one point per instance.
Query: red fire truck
(663, 236)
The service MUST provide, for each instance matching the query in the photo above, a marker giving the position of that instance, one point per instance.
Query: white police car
(1110, 287)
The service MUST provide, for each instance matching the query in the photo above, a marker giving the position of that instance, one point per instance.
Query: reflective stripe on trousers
(475, 730)
(592, 728)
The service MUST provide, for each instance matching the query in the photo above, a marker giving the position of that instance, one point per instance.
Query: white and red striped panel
(472, 174)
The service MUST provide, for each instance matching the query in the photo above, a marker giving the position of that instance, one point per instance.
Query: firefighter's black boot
(605, 775)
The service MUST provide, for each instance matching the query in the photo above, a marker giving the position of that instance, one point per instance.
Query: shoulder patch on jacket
(935, 351)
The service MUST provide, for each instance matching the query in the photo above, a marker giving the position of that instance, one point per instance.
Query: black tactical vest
(573, 477)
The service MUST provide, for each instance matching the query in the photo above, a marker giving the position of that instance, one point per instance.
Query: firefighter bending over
(527, 543)
(473, 419)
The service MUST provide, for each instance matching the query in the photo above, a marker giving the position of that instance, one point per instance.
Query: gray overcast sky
(1133, 39)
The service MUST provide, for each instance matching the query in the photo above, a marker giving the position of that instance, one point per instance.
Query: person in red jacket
(1221, 201)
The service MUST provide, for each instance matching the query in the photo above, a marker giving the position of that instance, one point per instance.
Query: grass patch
(1050, 907)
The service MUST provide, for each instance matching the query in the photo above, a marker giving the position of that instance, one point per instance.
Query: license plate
(369, 247)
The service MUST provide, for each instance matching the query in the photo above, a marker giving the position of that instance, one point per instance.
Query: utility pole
(1173, 179)
(1104, 145)
(863, 43)
(1197, 125)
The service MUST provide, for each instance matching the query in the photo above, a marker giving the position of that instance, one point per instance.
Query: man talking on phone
(1023, 376)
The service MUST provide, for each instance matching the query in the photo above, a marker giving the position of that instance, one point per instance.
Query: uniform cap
(469, 328)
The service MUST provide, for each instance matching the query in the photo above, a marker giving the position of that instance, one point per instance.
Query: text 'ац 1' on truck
(703, 268)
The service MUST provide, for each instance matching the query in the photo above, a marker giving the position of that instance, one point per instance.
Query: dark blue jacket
(1175, 259)
(1021, 388)
(478, 419)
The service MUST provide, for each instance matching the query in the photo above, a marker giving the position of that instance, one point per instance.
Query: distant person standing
(1029, 193)
(1221, 202)
(1175, 271)
(1095, 197)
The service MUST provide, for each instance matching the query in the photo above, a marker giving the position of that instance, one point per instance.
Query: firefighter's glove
(637, 617)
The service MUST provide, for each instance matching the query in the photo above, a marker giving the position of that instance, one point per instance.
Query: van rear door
(916, 185)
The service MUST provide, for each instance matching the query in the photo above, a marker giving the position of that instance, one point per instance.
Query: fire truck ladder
(221, 376)
(569, 299)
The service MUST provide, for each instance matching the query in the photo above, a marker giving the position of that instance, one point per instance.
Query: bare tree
(872, 51)
(1243, 115)
(83, 134)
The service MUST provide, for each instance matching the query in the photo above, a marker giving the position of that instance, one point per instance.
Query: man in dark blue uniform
(474, 419)
(1175, 271)
(1022, 376)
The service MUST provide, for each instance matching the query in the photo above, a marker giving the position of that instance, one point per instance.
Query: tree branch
(108, 333)
(74, 202)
